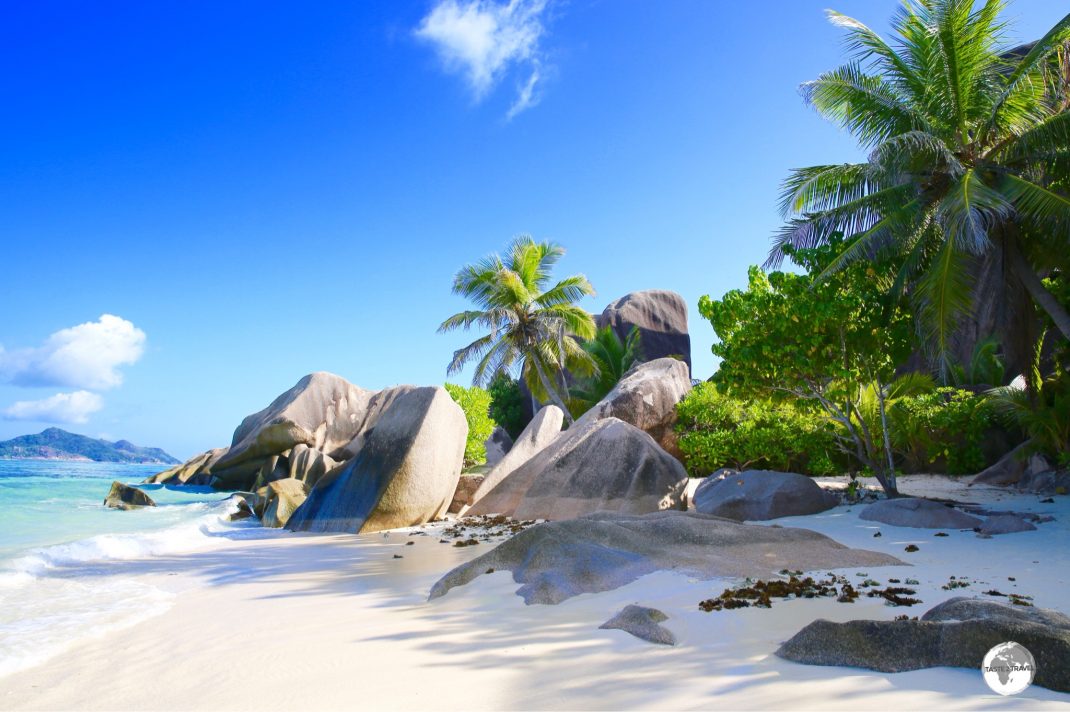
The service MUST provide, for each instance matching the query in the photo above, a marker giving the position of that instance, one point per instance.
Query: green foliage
(611, 358)
(1043, 416)
(718, 430)
(984, 368)
(527, 318)
(825, 336)
(475, 402)
(507, 405)
(968, 152)
(941, 431)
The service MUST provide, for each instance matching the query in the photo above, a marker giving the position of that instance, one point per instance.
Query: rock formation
(755, 495)
(662, 320)
(122, 496)
(644, 623)
(557, 560)
(918, 513)
(543, 429)
(646, 397)
(956, 633)
(602, 465)
(405, 466)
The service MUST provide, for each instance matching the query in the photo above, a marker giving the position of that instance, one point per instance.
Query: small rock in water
(940, 534)
(398, 556)
(911, 548)
(877, 534)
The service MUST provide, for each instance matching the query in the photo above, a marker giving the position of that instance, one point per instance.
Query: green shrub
(507, 405)
(718, 430)
(941, 431)
(475, 402)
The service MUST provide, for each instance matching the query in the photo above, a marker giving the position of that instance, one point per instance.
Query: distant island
(57, 444)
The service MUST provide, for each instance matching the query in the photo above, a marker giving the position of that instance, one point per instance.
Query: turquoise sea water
(56, 535)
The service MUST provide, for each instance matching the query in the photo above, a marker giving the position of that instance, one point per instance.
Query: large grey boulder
(756, 495)
(543, 429)
(600, 552)
(1007, 470)
(322, 411)
(918, 513)
(404, 471)
(956, 633)
(662, 320)
(642, 622)
(646, 397)
(602, 466)
(195, 471)
(1005, 524)
(122, 496)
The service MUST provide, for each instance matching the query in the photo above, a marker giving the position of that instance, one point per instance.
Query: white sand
(295, 622)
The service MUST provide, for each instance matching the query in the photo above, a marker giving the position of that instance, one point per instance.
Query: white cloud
(85, 356)
(481, 39)
(61, 408)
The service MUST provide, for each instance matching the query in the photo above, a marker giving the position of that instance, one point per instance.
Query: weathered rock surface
(497, 445)
(1005, 524)
(662, 320)
(122, 496)
(242, 509)
(646, 397)
(956, 633)
(323, 411)
(756, 495)
(918, 513)
(405, 469)
(642, 622)
(1041, 477)
(557, 560)
(602, 466)
(282, 498)
(466, 489)
(1007, 470)
(543, 429)
(195, 471)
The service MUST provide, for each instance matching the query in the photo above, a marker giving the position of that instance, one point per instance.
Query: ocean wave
(55, 596)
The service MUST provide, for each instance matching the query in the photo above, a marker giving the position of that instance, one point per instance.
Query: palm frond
(970, 210)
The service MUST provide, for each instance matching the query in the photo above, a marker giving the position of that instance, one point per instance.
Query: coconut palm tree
(529, 321)
(612, 359)
(968, 156)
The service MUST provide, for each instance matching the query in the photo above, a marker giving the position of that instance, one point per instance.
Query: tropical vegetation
(475, 402)
(611, 358)
(968, 146)
(528, 319)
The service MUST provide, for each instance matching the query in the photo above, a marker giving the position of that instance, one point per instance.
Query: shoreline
(296, 621)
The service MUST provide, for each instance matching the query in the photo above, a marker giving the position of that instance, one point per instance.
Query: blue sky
(254, 190)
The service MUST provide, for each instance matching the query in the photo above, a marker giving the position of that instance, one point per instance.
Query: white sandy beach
(336, 622)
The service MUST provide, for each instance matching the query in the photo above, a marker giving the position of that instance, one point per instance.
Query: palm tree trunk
(550, 390)
(1031, 281)
(891, 488)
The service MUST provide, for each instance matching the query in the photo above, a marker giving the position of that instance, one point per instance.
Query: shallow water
(56, 532)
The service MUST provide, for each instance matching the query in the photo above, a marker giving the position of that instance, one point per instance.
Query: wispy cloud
(483, 39)
(86, 356)
(61, 408)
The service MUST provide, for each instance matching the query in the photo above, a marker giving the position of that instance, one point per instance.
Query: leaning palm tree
(968, 156)
(529, 321)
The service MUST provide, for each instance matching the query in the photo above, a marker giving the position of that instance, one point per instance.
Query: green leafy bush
(941, 431)
(719, 430)
(475, 402)
(507, 405)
